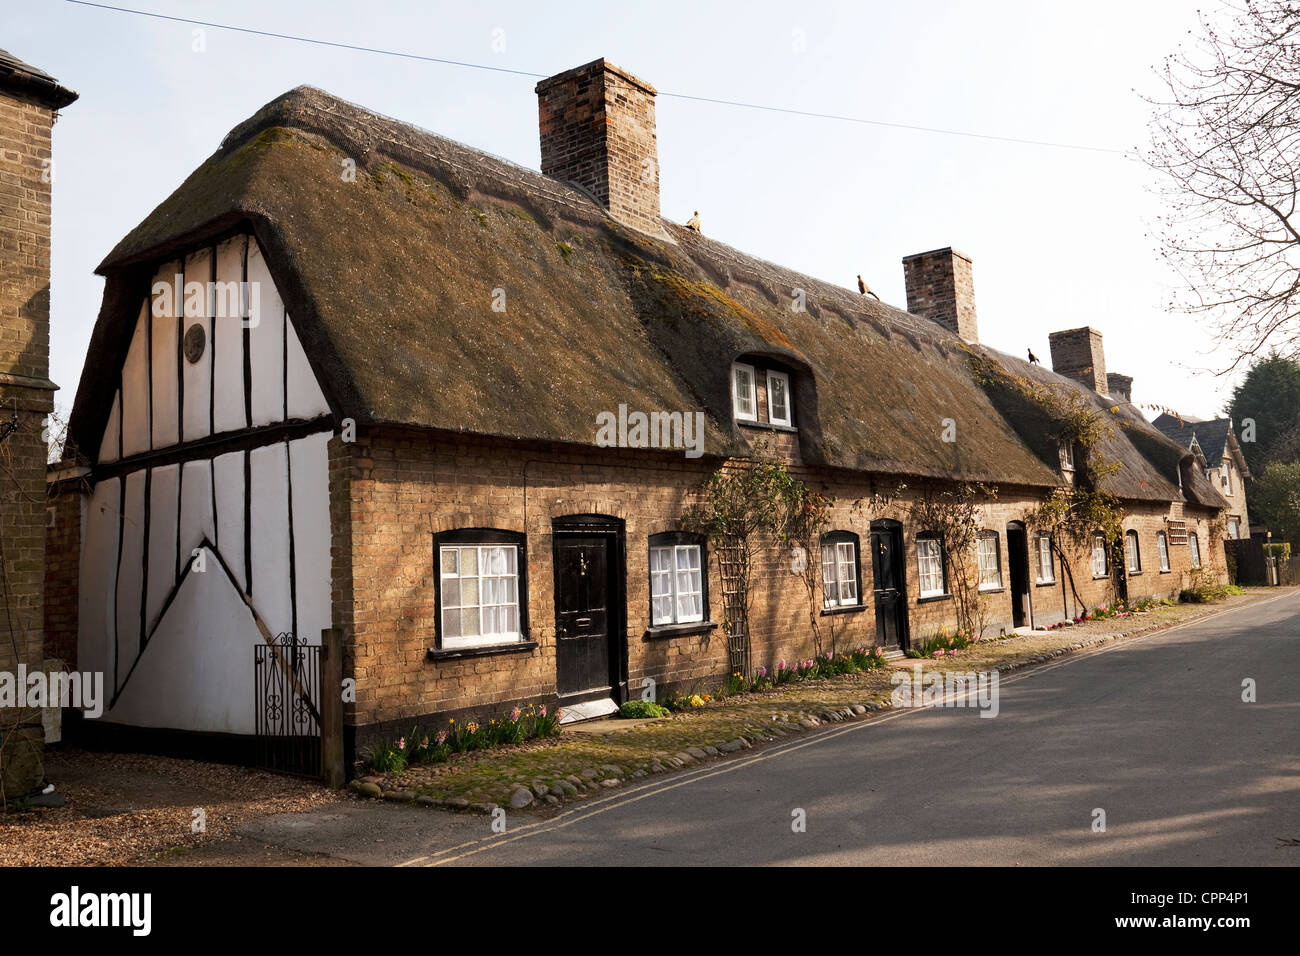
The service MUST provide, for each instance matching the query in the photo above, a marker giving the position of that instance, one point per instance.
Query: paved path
(1153, 731)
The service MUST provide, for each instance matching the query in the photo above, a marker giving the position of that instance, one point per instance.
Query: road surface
(1152, 731)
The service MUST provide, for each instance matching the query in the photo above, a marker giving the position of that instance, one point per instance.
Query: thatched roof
(390, 281)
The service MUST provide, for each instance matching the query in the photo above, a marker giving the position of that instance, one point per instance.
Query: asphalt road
(1153, 731)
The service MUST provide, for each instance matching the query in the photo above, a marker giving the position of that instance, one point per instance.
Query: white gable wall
(175, 642)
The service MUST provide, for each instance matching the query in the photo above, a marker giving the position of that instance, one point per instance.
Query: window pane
(663, 609)
(450, 622)
(469, 622)
(449, 560)
(778, 398)
(469, 561)
(451, 592)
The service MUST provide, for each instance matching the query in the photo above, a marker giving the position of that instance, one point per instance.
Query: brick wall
(940, 286)
(25, 127)
(597, 125)
(392, 491)
(62, 568)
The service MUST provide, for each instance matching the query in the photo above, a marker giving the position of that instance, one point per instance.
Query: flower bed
(421, 747)
(829, 664)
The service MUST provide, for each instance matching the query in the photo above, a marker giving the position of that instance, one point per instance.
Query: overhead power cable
(1021, 141)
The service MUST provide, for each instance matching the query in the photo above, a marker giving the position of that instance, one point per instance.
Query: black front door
(589, 609)
(1018, 568)
(889, 584)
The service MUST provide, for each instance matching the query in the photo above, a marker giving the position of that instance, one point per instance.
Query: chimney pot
(1077, 354)
(940, 287)
(597, 126)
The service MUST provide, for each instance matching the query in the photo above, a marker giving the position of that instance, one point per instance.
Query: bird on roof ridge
(694, 221)
(1034, 358)
(865, 289)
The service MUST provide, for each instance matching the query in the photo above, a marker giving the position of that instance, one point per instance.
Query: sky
(1060, 238)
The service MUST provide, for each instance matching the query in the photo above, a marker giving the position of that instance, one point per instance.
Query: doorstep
(587, 710)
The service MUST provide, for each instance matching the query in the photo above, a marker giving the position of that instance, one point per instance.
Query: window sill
(486, 650)
(1134, 574)
(680, 630)
(1101, 577)
(991, 590)
(1166, 570)
(930, 598)
(768, 426)
(843, 609)
(1045, 584)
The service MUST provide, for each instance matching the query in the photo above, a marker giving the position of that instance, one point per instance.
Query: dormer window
(744, 395)
(762, 393)
(778, 399)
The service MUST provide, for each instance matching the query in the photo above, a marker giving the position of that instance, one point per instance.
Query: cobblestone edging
(597, 779)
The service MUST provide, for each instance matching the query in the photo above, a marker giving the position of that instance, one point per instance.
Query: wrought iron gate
(287, 681)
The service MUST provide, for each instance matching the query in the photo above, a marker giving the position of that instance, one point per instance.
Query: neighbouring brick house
(401, 438)
(1217, 450)
(30, 101)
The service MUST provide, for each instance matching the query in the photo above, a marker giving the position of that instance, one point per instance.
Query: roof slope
(26, 79)
(1212, 436)
(390, 280)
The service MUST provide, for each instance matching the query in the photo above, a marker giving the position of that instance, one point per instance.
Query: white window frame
(929, 565)
(483, 555)
(1132, 555)
(1099, 551)
(1043, 550)
(1162, 550)
(679, 558)
(788, 420)
(751, 398)
(1234, 528)
(840, 574)
(1067, 456)
(990, 577)
(1227, 476)
(1194, 549)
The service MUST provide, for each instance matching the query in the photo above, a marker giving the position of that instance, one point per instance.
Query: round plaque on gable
(195, 339)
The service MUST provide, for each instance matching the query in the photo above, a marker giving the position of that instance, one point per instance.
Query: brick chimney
(29, 104)
(598, 131)
(1119, 386)
(1077, 354)
(940, 287)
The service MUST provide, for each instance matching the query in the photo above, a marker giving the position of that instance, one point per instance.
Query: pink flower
(937, 654)
(542, 711)
(441, 738)
(514, 714)
(762, 672)
(780, 665)
(828, 655)
(401, 743)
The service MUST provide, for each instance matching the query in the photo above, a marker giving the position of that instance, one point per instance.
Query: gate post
(331, 707)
